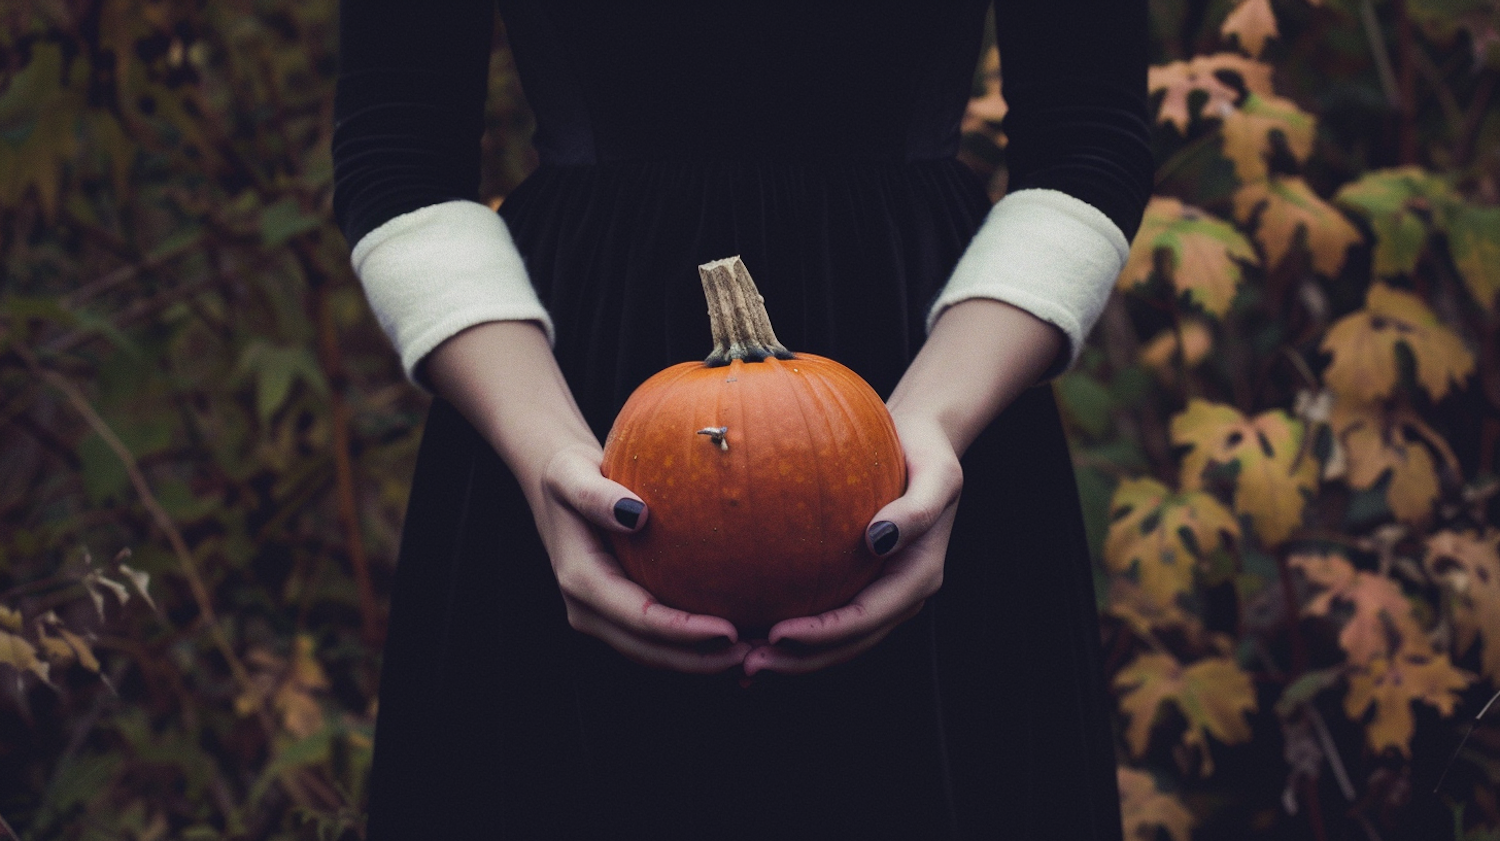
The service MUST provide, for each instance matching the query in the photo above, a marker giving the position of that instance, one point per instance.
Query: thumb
(573, 477)
(932, 486)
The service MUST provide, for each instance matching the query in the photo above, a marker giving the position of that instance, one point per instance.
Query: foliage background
(1285, 427)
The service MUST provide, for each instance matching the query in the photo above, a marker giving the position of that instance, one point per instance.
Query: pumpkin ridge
(798, 385)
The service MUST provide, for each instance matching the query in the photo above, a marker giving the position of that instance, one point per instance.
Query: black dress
(816, 139)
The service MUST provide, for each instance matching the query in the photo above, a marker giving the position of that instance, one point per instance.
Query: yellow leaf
(1468, 565)
(1376, 443)
(1199, 253)
(20, 655)
(1179, 79)
(1286, 207)
(1363, 345)
(1160, 353)
(307, 672)
(1381, 620)
(1144, 808)
(1391, 686)
(10, 620)
(1474, 242)
(1130, 603)
(1250, 24)
(1276, 475)
(1213, 695)
(1247, 132)
(1157, 537)
(985, 111)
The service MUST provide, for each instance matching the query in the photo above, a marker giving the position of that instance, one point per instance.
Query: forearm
(980, 355)
(502, 377)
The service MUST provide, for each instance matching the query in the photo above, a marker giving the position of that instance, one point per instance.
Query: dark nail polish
(628, 512)
(883, 536)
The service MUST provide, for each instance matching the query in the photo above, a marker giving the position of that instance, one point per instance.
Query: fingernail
(628, 512)
(883, 536)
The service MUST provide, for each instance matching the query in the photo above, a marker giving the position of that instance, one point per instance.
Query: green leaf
(104, 476)
(1086, 402)
(276, 370)
(284, 220)
(1403, 206)
(1305, 688)
(1474, 242)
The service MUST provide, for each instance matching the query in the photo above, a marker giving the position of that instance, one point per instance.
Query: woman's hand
(911, 533)
(980, 355)
(601, 601)
(527, 413)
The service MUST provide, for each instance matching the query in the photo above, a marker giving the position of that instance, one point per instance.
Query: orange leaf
(1200, 254)
(1206, 74)
(1286, 208)
(1159, 353)
(1363, 345)
(1275, 474)
(1250, 24)
(1248, 132)
(1157, 537)
(1145, 808)
(1392, 685)
(1376, 443)
(1469, 567)
(1382, 620)
(1213, 695)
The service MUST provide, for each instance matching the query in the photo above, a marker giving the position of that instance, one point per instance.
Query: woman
(529, 689)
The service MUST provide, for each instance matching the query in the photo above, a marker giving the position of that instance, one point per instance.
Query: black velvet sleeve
(409, 107)
(1074, 76)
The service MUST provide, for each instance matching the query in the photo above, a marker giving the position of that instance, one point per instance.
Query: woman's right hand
(503, 378)
(601, 601)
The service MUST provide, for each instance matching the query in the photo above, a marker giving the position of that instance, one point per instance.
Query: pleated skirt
(986, 716)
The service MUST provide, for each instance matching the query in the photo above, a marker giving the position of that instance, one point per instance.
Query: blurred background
(1284, 428)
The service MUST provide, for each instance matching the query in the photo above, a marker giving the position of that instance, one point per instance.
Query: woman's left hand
(911, 534)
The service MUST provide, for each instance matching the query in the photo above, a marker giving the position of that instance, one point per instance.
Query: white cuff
(1049, 253)
(440, 269)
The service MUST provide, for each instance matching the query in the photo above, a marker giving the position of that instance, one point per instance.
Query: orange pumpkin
(761, 469)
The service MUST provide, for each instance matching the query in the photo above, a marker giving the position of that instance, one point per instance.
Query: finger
(573, 476)
(801, 660)
(708, 656)
(595, 582)
(933, 483)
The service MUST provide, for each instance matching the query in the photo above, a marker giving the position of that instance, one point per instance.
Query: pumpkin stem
(737, 315)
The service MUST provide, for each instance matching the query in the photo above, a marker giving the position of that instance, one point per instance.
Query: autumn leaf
(1214, 695)
(1249, 130)
(1479, 19)
(985, 111)
(10, 619)
(1403, 206)
(66, 648)
(1250, 24)
(1468, 565)
(1382, 620)
(1392, 685)
(20, 655)
(1363, 345)
(1286, 211)
(39, 111)
(1200, 254)
(1160, 353)
(1157, 537)
(1276, 475)
(1145, 808)
(289, 685)
(1376, 443)
(1474, 242)
(1179, 79)
(1129, 602)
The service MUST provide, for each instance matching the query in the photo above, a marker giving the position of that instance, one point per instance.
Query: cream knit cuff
(1047, 252)
(437, 270)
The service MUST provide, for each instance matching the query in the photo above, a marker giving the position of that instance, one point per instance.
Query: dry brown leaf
(1157, 538)
(1468, 565)
(1392, 685)
(10, 620)
(1276, 475)
(1160, 353)
(1179, 79)
(291, 687)
(1285, 206)
(1145, 808)
(1248, 132)
(1382, 620)
(1363, 345)
(20, 655)
(1201, 253)
(1375, 442)
(1214, 695)
(1250, 25)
